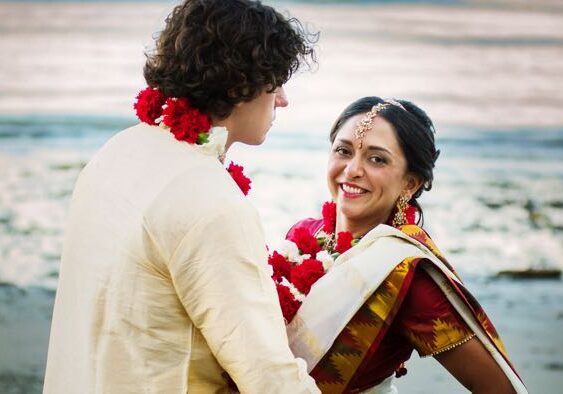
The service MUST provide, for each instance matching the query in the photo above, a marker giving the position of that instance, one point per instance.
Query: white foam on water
(478, 65)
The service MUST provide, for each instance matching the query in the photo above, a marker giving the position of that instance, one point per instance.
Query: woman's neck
(357, 229)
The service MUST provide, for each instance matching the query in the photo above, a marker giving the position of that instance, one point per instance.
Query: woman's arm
(474, 367)
(434, 328)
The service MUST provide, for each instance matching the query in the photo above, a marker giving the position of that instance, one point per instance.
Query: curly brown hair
(218, 53)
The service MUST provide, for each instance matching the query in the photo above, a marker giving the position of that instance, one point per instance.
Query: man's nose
(281, 98)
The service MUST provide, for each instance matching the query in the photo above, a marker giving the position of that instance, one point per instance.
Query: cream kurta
(164, 282)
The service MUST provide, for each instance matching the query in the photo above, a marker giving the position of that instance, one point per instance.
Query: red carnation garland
(148, 105)
(343, 241)
(241, 180)
(281, 267)
(289, 305)
(410, 214)
(185, 122)
(295, 276)
(306, 242)
(304, 275)
(329, 217)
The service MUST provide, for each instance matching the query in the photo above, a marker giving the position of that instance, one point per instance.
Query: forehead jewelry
(365, 124)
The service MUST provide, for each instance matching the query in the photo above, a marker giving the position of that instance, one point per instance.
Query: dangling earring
(400, 217)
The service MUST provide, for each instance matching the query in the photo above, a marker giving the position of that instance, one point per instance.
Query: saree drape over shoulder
(391, 293)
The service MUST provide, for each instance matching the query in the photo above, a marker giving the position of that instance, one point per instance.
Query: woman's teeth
(352, 190)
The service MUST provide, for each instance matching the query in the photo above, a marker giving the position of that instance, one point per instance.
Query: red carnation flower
(241, 180)
(329, 217)
(289, 305)
(185, 122)
(305, 241)
(305, 274)
(410, 213)
(149, 105)
(281, 266)
(343, 241)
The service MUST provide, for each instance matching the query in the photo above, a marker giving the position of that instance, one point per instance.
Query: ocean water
(488, 73)
(497, 201)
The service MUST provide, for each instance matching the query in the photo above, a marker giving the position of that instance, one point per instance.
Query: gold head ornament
(365, 124)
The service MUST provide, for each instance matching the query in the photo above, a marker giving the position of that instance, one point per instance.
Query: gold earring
(400, 217)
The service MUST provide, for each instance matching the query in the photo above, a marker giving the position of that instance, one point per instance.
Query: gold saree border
(364, 332)
(362, 335)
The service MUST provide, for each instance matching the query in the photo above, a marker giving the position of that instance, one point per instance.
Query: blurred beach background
(489, 73)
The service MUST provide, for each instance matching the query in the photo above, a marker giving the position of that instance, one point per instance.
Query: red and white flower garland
(306, 257)
(187, 124)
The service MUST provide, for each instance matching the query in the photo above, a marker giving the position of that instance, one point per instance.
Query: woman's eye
(342, 151)
(377, 160)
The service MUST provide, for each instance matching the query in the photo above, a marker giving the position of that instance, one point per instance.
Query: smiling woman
(391, 291)
(365, 182)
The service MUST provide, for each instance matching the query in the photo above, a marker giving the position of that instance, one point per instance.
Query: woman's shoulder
(419, 234)
(310, 224)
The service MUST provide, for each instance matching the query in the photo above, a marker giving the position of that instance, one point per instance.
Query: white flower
(299, 259)
(324, 257)
(159, 120)
(215, 145)
(293, 290)
(289, 250)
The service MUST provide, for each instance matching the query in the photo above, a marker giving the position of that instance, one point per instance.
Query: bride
(365, 285)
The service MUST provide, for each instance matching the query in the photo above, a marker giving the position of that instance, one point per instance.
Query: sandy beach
(488, 73)
(532, 335)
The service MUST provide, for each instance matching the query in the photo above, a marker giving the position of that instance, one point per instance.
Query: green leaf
(202, 138)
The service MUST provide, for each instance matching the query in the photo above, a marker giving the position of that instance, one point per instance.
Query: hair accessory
(394, 102)
(400, 217)
(365, 123)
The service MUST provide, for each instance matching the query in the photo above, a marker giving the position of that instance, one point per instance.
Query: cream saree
(384, 255)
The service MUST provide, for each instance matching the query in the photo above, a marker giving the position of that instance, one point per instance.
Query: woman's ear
(413, 182)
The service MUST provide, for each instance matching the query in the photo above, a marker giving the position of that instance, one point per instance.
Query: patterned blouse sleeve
(428, 320)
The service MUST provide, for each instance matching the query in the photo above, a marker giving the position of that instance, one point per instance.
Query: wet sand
(529, 318)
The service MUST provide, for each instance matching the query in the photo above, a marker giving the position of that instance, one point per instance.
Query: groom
(163, 285)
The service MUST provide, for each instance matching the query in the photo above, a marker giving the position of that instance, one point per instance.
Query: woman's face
(366, 182)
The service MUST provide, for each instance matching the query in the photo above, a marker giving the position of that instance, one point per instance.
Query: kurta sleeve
(221, 275)
(428, 320)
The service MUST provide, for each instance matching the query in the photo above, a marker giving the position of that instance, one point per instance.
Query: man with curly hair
(163, 285)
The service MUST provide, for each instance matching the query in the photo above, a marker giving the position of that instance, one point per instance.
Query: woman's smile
(350, 190)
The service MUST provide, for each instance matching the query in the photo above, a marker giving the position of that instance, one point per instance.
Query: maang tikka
(365, 124)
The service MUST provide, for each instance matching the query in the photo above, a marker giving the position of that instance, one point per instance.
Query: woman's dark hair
(218, 53)
(415, 133)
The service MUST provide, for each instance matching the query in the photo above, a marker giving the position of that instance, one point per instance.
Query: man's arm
(220, 274)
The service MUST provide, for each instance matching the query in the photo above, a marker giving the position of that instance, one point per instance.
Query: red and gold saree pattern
(340, 370)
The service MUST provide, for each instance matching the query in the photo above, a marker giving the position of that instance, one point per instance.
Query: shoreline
(531, 334)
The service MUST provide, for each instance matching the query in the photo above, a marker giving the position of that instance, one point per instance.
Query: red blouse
(425, 321)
